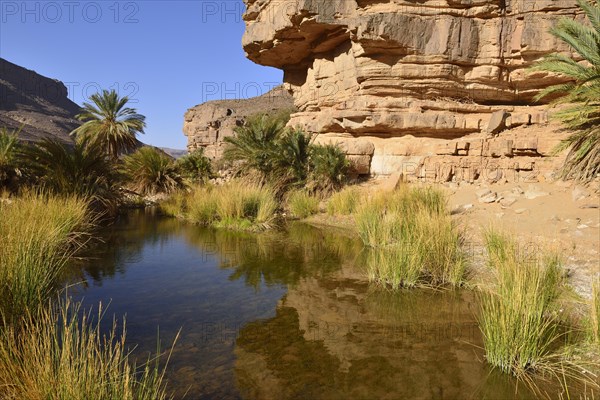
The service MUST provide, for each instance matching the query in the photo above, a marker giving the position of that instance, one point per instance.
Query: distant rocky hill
(175, 153)
(37, 103)
(207, 124)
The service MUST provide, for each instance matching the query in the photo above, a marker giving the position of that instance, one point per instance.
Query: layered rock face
(38, 104)
(208, 124)
(430, 71)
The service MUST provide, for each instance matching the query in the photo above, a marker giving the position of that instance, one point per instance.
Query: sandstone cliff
(412, 77)
(207, 124)
(39, 104)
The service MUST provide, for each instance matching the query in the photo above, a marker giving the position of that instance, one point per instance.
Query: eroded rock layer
(426, 69)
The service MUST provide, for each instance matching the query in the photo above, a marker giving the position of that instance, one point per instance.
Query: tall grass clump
(175, 205)
(595, 311)
(519, 316)
(302, 204)
(235, 205)
(415, 238)
(343, 202)
(38, 233)
(60, 353)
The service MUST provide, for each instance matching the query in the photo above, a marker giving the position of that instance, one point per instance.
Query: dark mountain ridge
(38, 104)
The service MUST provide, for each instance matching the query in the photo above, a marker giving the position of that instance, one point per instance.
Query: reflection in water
(336, 339)
(282, 316)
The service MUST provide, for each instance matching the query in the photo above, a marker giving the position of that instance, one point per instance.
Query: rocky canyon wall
(208, 124)
(440, 88)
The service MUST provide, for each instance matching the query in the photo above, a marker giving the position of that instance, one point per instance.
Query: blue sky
(167, 56)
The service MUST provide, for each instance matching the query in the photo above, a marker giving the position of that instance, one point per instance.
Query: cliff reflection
(334, 338)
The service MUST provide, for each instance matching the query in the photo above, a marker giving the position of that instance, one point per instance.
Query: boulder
(497, 122)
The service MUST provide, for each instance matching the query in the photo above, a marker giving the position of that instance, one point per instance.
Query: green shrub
(150, 171)
(344, 202)
(196, 166)
(328, 168)
(58, 353)
(10, 171)
(285, 157)
(292, 156)
(302, 204)
(81, 169)
(254, 145)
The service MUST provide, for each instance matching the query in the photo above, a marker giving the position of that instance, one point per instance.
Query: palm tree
(328, 168)
(255, 144)
(110, 124)
(293, 154)
(582, 91)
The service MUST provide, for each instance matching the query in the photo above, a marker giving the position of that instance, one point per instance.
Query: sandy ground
(561, 216)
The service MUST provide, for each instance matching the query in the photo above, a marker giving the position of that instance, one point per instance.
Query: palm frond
(150, 171)
(582, 92)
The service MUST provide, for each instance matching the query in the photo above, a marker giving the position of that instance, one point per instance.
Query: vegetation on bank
(413, 238)
(265, 150)
(524, 319)
(58, 352)
(38, 233)
(151, 171)
(236, 205)
(302, 204)
(104, 158)
(344, 202)
(56, 193)
(54, 351)
(275, 167)
(581, 92)
(519, 315)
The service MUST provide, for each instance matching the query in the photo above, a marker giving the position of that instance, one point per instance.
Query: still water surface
(282, 315)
